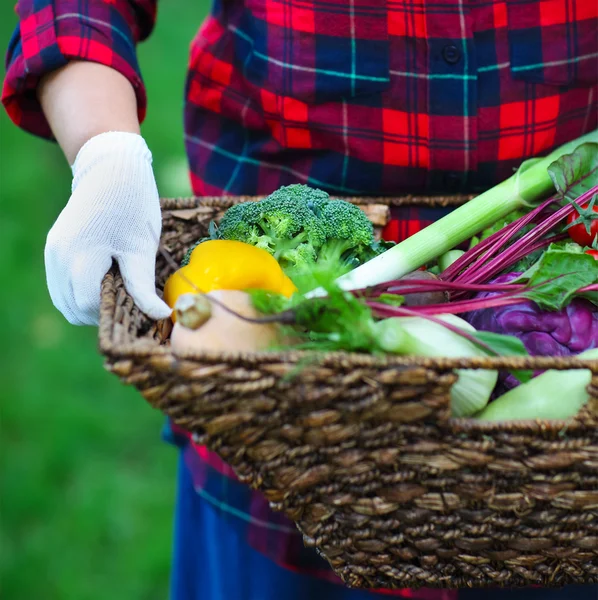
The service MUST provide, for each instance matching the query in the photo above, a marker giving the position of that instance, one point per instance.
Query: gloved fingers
(58, 281)
(138, 273)
(87, 270)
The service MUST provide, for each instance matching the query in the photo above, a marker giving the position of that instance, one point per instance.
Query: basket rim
(432, 201)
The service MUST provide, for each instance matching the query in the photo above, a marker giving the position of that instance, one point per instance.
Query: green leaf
(506, 345)
(575, 173)
(558, 276)
(268, 303)
(503, 345)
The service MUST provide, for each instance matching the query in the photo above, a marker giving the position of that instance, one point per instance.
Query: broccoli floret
(304, 255)
(239, 223)
(301, 226)
(299, 192)
(282, 223)
(350, 234)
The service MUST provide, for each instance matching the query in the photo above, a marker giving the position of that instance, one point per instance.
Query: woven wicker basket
(361, 453)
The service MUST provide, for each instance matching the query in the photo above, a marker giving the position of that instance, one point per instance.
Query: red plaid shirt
(352, 96)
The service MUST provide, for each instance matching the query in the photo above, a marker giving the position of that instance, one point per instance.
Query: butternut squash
(203, 326)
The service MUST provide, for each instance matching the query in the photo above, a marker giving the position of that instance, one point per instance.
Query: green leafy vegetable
(575, 173)
(559, 274)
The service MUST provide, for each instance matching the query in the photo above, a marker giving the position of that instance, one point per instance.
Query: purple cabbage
(544, 333)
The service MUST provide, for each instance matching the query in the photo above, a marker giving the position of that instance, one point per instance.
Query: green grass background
(86, 485)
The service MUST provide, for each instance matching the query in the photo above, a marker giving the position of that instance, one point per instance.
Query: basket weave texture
(361, 453)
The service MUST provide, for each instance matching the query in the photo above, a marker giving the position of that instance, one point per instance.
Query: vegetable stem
(492, 244)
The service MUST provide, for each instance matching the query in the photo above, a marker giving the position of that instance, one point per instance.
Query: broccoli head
(301, 226)
(349, 234)
(282, 223)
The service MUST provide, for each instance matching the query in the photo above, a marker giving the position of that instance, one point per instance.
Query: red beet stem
(493, 243)
(522, 246)
(422, 286)
(490, 273)
(453, 308)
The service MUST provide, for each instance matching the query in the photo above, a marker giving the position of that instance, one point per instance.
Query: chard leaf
(506, 345)
(575, 173)
(558, 276)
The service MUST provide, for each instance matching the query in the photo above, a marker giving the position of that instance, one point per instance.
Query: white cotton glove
(113, 212)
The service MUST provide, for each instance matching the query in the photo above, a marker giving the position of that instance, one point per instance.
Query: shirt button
(451, 54)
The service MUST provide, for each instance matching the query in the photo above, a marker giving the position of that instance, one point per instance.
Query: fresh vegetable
(300, 226)
(593, 253)
(532, 182)
(552, 395)
(283, 224)
(582, 224)
(565, 332)
(204, 325)
(349, 234)
(555, 270)
(559, 275)
(421, 337)
(227, 265)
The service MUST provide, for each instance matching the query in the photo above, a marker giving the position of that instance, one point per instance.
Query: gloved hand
(113, 212)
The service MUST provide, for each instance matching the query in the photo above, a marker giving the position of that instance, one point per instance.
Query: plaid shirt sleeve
(52, 32)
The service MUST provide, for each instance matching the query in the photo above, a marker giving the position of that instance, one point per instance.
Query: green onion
(524, 188)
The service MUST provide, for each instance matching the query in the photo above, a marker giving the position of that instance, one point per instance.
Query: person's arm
(114, 209)
(84, 99)
(52, 34)
(73, 76)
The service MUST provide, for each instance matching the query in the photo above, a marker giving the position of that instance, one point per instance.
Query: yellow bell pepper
(227, 265)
